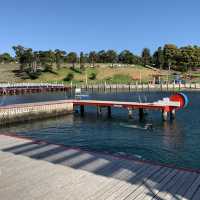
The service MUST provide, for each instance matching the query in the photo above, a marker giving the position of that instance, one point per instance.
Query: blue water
(173, 142)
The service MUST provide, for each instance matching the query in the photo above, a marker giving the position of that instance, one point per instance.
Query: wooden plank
(87, 176)
(136, 185)
(166, 189)
(186, 185)
(193, 188)
(162, 184)
(126, 191)
(60, 156)
(146, 172)
(172, 193)
(146, 189)
(136, 170)
(6, 141)
(197, 194)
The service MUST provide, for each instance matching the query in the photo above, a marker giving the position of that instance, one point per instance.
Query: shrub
(79, 71)
(92, 76)
(48, 68)
(69, 77)
(34, 75)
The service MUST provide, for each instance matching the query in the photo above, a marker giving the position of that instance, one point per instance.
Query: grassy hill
(99, 74)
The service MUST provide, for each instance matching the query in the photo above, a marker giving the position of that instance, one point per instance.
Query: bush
(48, 68)
(69, 77)
(92, 76)
(79, 71)
(34, 75)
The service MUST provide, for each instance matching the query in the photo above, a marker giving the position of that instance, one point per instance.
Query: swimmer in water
(148, 126)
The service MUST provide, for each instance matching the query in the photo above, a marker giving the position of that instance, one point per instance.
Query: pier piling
(109, 111)
(141, 113)
(82, 110)
(164, 115)
(99, 110)
(130, 113)
(172, 114)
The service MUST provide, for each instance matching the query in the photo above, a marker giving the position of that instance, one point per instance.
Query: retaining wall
(27, 112)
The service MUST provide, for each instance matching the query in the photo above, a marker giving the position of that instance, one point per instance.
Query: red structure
(167, 105)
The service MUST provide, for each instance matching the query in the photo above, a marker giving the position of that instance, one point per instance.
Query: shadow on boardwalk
(146, 181)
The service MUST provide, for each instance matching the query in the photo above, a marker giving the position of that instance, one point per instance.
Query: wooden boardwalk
(38, 170)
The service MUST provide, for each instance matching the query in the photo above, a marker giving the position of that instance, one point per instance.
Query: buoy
(182, 98)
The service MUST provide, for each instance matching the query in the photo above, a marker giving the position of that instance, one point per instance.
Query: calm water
(176, 142)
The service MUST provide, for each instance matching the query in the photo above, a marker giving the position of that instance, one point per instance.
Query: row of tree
(169, 56)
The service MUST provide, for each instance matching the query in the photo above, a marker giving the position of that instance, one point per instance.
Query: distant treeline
(169, 56)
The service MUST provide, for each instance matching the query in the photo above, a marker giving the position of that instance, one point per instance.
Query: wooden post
(109, 111)
(98, 110)
(82, 110)
(141, 113)
(164, 115)
(130, 113)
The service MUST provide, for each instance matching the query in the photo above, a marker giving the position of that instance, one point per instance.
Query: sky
(85, 25)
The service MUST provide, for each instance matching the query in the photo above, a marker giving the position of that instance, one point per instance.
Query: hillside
(101, 73)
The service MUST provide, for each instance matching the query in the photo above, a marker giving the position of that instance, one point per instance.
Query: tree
(146, 56)
(170, 51)
(158, 58)
(46, 59)
(82, 60)
(6, 58)
(127, 57)
(59, 57)
(93, 58)
(102, 56)
(111, 56)
(19, 52)
(72, 58)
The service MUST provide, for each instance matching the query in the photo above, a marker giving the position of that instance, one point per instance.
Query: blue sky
(84, 25)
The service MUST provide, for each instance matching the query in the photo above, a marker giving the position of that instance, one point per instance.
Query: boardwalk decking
(38, 170)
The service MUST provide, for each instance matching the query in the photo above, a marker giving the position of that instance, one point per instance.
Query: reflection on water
(173, 142)
(172, 130)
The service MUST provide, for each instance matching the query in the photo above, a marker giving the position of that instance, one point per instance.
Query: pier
(27, 112)
(165, 106)
(39, 170)
(28, 88)
(139, 87)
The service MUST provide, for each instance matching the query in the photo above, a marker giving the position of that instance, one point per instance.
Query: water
(176, 142)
